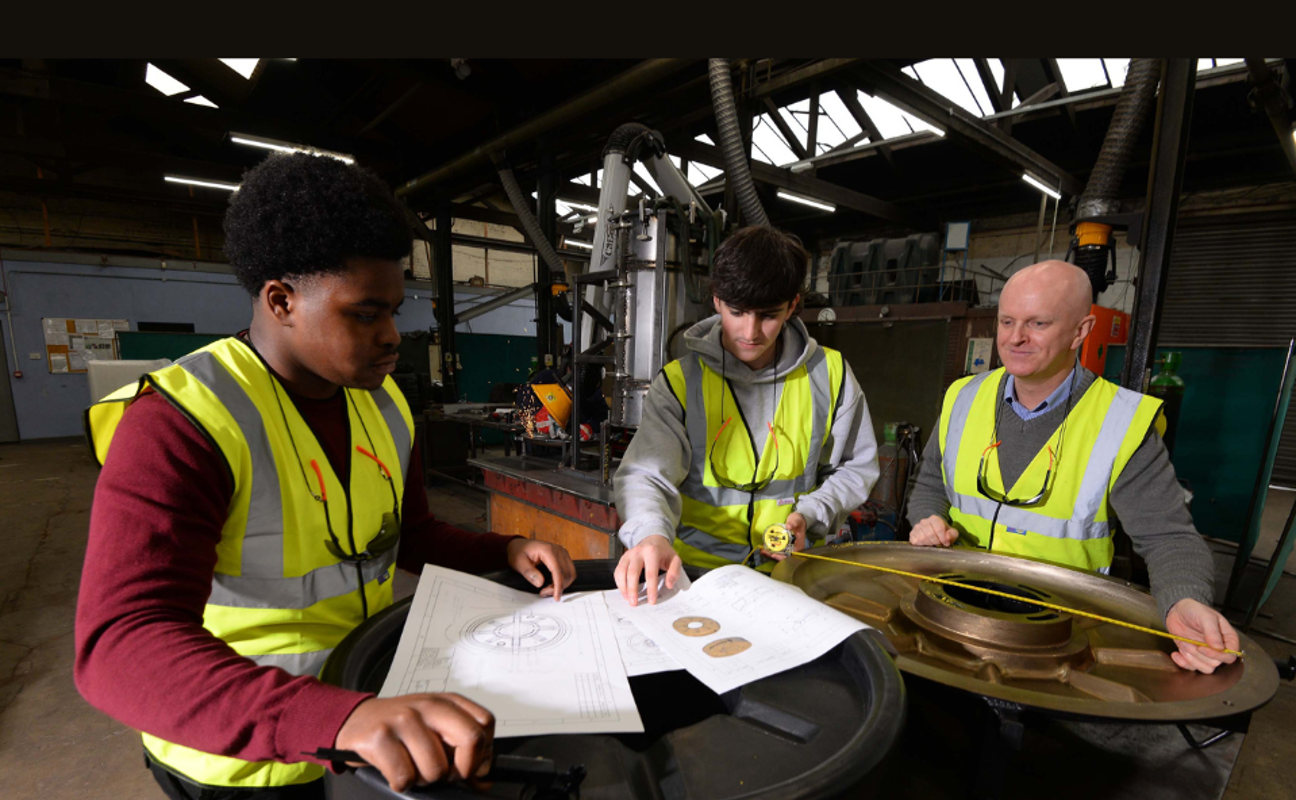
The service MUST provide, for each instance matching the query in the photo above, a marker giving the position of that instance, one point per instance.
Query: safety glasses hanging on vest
(753, 485)
(389, 526)
(1002, 497)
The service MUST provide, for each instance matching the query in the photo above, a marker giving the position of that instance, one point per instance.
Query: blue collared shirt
(1050, 402)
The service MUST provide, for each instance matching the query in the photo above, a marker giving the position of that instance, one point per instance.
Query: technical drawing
(521, 631)
(643, 645)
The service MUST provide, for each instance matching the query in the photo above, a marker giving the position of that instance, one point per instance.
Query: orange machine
(1111, 328)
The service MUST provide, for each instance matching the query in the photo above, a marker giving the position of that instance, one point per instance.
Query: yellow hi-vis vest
(722, 525)
(278, 595)
(1070, 525)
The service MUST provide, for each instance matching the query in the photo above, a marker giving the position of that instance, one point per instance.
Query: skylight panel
(891, 121)
(1082, 73)
(1116, 69)
(967, 68)
(243, 66)
(699, 174)
(583, 179)
(704, 139)
(797, 117)
(1224, 62)
(642, 172)
(163, 82)
(768, 144)
(1205, 63)
(199, 100)
(997, 70)
(942, 76)
(562, 208)
(830, 103)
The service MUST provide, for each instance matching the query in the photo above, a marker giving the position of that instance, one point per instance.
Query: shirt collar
(1010, 395)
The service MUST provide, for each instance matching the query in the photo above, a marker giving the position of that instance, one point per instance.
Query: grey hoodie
(646, 485)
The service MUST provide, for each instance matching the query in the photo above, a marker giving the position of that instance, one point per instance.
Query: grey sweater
(1146, 498)
(646, 485)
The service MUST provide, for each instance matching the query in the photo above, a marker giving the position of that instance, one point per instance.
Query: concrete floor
(54, 745)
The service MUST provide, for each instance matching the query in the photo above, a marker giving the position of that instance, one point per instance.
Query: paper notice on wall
(98, 348)
(71, 342)
(56, 331)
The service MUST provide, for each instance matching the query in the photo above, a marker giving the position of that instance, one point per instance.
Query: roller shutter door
(1232, 283)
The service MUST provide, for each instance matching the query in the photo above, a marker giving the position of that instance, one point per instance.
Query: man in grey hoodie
(757, 425)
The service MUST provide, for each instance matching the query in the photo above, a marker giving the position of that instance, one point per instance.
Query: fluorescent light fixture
(800, 166)
(592, 220)
(199, 100)
(286, 147)
(581, 206)
(243, 66)
(163, 82)
(230, 187)
(806, 201)
(579, 243)
(1038, 184)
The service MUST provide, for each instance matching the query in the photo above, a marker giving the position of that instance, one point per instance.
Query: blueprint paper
(639, 653)
(735, 625)
(539, 666)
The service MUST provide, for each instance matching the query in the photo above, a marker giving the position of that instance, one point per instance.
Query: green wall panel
(488, 359)
(1228, 400)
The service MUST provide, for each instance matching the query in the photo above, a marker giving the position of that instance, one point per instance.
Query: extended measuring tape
(970, 587)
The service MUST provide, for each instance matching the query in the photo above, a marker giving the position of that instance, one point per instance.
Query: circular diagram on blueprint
(643, 645)
(521, 631)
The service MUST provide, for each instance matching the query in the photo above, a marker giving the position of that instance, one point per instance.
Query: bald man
(1035, 458)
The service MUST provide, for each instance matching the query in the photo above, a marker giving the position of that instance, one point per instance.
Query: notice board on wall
(71, 342)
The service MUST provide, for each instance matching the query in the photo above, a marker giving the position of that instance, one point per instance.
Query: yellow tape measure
(1054, 606)
(779, 540)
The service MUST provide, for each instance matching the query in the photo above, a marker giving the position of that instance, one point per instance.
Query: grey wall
(135, 289)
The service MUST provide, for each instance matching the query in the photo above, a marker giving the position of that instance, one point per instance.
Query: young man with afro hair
(248, 512)
(757, 425)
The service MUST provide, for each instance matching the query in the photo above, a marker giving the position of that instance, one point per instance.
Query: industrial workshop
(656, 428)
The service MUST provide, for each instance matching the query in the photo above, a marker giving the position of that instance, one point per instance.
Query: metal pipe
(472, 312)
(632, 80)
(1165, 182)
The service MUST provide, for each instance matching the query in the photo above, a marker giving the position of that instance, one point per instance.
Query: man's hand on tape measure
(933, 531)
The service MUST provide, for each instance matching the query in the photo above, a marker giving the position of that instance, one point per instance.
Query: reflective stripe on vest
(278, 596)
(1070, 526)
(715, 527)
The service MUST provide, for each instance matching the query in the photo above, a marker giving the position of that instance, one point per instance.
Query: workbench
(475, 420)
(535, 498)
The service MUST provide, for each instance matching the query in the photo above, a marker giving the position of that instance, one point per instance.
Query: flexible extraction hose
(1102, 193)
(529, 222)
(731, 144)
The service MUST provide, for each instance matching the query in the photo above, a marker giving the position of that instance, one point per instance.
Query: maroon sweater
(142, 654)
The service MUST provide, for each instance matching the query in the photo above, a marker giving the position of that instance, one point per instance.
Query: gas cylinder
(1168, 387)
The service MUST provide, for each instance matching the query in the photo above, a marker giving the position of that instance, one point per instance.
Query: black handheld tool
(539, 776)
